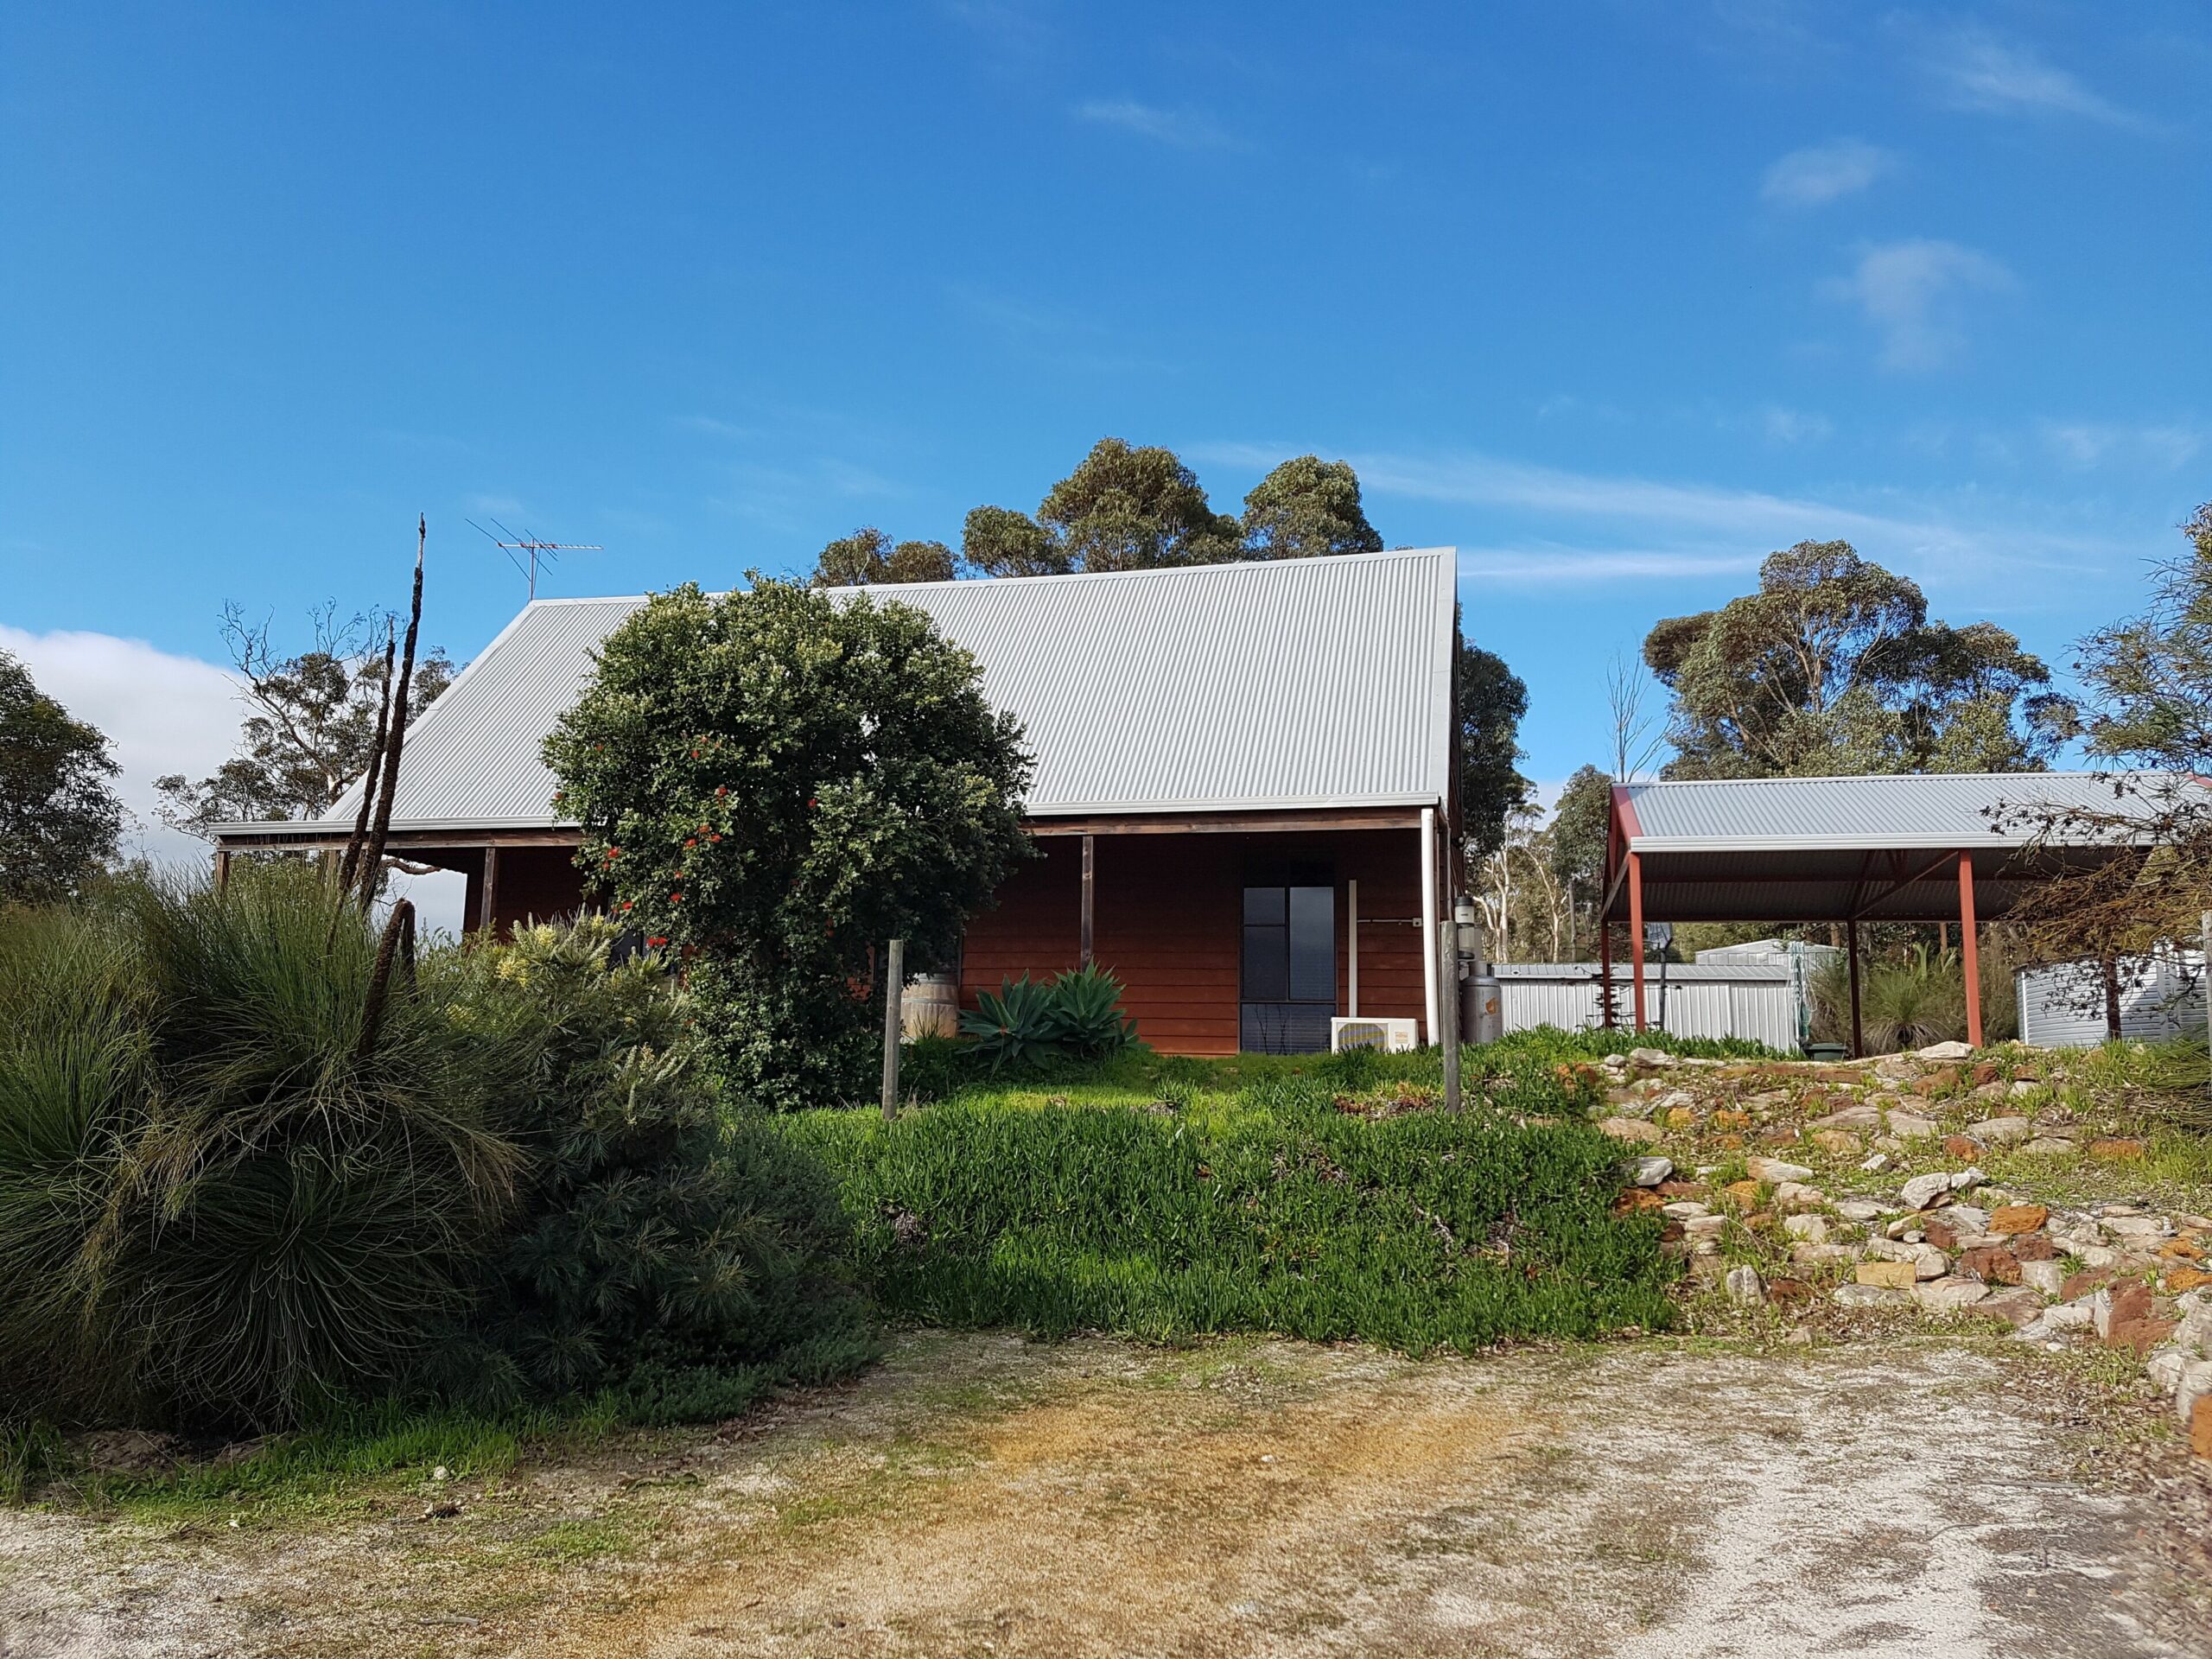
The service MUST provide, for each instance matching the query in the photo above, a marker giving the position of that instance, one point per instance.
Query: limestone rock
(1813, 1230)
(1773, 1169)
(1948, 1295)
(2051, 1146)
(1650, 1171)
(1851, 1118)
(1654, 1060)
(1795, 1195)
(1953, 1050)
(1871, 1296)
(2001, 1131)
(2048, 1277)
(1911, 1125)
(1630, 1128)
(1861, 1210)
(2018, 1308)
(1923, 1190)
(1890, 1275)
(1744, 1285)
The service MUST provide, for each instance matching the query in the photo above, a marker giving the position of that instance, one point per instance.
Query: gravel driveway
(980, 1495)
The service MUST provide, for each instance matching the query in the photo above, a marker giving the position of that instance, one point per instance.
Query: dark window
(1289, 968)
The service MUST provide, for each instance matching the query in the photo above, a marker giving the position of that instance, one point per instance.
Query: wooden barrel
(931, 1006)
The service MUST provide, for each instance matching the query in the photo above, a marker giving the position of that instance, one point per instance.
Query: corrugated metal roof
(1901, 810)
(1305, 682)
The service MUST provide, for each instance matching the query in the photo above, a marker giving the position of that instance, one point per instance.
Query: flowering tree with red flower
(776, 781)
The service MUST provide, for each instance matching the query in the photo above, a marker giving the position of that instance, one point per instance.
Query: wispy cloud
(1795, 426)
(1980, 70)
(1912, 292)
(1184, 129)
(1823, 173)
(1542, 564)
(2086, 444)
(1671, 530)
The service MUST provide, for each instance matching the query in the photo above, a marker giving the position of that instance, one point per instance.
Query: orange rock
(2185, 1248)
(2017, 1217)
(1729, 1142)
(1778, 1137)
(1637, 1198)
(1841, 1142)
(2034, 1247)
(2199, 1426)
(1963, 1147)
(2116, 1147)
(1940, 1233)
(1937, 1081)
(1983, 1073)
(1992, 1266)
(1788, 1290)
(1742, 1194)
(2141, 1335)
(1681, 1117)
(1725, 1118)
(2181, 1279)
(1895, 1275)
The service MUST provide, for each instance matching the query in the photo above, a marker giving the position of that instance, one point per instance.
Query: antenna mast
(536, 549)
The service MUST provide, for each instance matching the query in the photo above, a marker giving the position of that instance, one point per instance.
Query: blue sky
(1615, 297)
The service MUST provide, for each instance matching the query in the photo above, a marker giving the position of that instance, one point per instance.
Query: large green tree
(2148, 679)
(1832, 667)
(1489, 701)
(60, 821)
(1126, 507)
(310, 725)
(1305, 507)
(772, 784)
(869, 559)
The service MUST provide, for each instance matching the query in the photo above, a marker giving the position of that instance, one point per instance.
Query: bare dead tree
(373, 857)
(1635, 742)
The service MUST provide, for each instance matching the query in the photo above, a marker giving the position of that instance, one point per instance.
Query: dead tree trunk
(372, 856)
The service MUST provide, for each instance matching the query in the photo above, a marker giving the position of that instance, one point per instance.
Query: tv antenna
(534, 549)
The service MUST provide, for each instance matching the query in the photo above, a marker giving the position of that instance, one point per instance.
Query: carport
(1952, 847)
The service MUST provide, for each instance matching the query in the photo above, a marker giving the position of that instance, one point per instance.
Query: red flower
(809, 803)
(655, 940)
(713, 837)
(721, 789)
(693, 842)
(625, 904)
(674, 898)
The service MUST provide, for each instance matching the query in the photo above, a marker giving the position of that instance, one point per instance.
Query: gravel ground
(980, 1495)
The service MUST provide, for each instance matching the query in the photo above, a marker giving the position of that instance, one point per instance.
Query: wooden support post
(491, 898)
(1636, 934)
(1351, 948)
(894, 981)
(1429, 946)
(222, 868)
(1090, 910)
(1969, 950)
(1452, 1038)
(1857, 1030)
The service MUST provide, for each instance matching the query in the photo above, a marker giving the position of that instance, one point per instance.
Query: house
(1244, 795)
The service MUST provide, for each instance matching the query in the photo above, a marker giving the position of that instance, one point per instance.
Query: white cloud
(1981, 71)
(1810, 178)
(160, 712)
(2090, 443)
(1795, 425)
(1912, 294)
(1539, 565)
(1182, 128)
(1670, 530)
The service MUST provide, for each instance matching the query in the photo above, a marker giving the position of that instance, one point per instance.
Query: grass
(1323, 1198)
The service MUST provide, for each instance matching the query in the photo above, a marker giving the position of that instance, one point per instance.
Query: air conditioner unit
(1391, 1036)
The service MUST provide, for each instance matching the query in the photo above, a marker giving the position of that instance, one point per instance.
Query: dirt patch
(979, 1494)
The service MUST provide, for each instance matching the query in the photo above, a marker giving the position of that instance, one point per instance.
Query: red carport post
(1970, 954)
(1636, 931)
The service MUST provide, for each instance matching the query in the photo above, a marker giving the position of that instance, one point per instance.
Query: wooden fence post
(894, 977)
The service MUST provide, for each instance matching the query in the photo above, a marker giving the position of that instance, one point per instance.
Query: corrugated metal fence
(1747, 999)
(2062, 1006)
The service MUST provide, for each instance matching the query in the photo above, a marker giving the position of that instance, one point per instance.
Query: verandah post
(1635, 932)
(1969, 950)
(894, 981)
(1858, 1030)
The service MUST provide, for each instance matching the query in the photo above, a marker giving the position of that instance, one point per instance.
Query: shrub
(779, 781)
(214, 1207)
(1026, 1027)
(677, 1258)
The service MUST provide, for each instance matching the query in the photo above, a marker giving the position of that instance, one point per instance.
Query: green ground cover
(1323, 1196)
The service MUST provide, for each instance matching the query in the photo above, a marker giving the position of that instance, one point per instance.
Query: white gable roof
(1301, 682)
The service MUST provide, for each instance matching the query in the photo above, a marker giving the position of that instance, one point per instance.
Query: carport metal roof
(1957, 846)
(1842, 849)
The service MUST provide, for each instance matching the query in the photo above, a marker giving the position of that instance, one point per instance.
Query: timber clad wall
(1167, 914)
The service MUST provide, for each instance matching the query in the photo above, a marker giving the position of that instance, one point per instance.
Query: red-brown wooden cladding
(1168, 920)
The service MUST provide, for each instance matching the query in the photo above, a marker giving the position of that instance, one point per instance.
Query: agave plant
(1016, 1027)
(1087, 1007)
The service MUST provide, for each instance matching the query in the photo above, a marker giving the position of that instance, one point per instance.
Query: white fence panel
(1756, 1001)
(2062, 1005)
